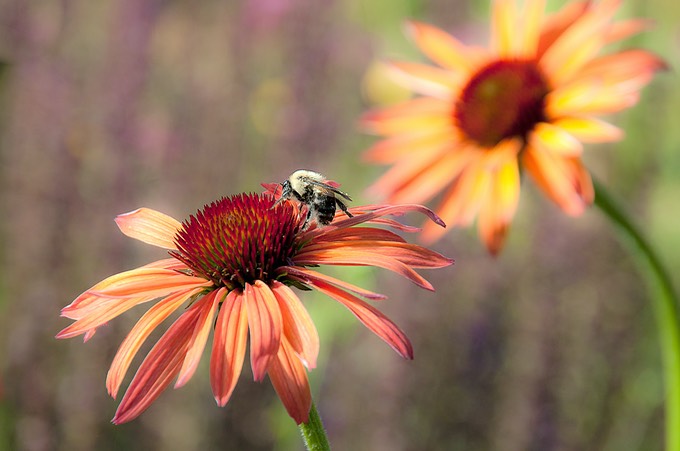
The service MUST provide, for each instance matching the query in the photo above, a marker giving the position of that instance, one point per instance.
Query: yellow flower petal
(532, 15)
(503, 31)
(588, 129)
(555, 139)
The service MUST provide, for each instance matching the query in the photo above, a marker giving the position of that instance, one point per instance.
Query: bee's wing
(327, 187)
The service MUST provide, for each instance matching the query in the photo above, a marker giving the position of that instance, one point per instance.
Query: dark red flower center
(238, 239)
(503, 99)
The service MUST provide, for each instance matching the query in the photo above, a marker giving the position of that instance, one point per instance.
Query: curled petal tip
(437, 220)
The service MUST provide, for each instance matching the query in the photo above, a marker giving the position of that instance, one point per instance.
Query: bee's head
(286, 190)
(286, 193)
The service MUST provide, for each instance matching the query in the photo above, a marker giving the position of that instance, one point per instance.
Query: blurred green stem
(666, 311)
(314, 433)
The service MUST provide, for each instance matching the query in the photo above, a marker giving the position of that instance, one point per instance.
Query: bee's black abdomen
(325, 209)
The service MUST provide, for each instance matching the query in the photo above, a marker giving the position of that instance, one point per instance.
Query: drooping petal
(361, 257)
(298, 326)
(360, 233)
(150, 226)
(378, 213)
(462, 201)
(403, 172)
(432, 179)
(440, 47)
(410, 254)
(371, 318)
(302, 272)
(563, 179)
(158, 369)
(265, 323)
(500, 206)
(105, 311)
(139, 333)
(289, 379)
(80, 306)
(229, 347)
(204, 323)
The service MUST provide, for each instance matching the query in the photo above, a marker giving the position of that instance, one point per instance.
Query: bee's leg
(343, 207)
(308, 218)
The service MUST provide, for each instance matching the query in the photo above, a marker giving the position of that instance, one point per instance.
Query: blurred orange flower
(232, 266)
(530, 100)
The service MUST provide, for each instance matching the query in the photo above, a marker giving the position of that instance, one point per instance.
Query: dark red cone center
(238, 239)
(503, 99)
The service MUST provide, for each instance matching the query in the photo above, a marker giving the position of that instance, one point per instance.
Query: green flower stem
(313, 432)
(666, 311)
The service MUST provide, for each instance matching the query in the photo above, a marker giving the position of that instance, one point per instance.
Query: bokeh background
(106, 106)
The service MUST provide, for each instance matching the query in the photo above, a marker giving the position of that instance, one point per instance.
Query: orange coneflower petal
(289, 379)
(588, 129)
(563, 179)
(624, 71)
(265, 323)
(422, 115)
(412, 255)
(579, 43)
(556, 24)
(298, 326)
(394, 148)
(361, 257)
(425, 79)
(440, 47)
(139, 333)
(587, 97)
(403, 172)
(461, 201)
(626, 28)
(499, 208)
(150, 282)
(89, 299)
(359, 233)
(204, 324)
(375, 216)
(158, 369)
(229, 347)
(371, 318)
(432, 179)
(465, 197)
(104, 312)
(150, 226)
(304, 273)
(168, 263)
(503, 28)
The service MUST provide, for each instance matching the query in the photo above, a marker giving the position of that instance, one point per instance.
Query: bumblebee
(317, 193)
